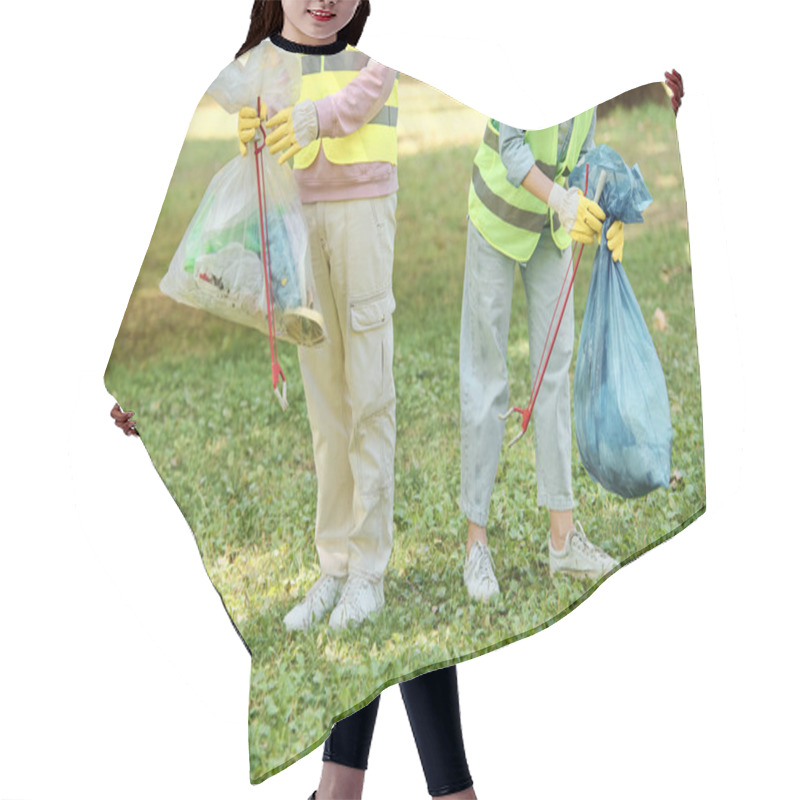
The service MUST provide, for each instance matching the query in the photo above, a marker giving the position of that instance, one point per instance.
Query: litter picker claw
(549, 341)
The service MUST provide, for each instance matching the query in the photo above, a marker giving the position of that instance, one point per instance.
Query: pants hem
(372, 577)
(333, 758)
(473, 514)
(558, 502)
(450, 788)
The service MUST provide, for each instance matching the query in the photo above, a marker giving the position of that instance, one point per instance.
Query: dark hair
(266, 19)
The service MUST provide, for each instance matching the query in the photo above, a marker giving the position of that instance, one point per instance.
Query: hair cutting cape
(242, 470)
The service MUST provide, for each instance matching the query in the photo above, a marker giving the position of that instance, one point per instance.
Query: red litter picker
(245, 256)
(278, 377)
(558, 312)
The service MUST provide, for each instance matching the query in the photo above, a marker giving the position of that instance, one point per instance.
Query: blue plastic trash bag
(622, 420)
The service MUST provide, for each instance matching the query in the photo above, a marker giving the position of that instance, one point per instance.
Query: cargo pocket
(372, 390)
(371, 348)
(366, 315)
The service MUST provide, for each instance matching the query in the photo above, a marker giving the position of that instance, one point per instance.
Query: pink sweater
(341, 114)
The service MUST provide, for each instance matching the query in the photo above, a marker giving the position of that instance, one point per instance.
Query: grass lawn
(242, 471)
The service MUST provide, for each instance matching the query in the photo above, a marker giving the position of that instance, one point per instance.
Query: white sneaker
(360, 598)
(319, 600)
(479, 573)
(580, 558)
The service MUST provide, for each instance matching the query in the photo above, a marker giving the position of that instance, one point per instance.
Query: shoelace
(485, 568)
(584, 545)
(352, 590)
(321, 586)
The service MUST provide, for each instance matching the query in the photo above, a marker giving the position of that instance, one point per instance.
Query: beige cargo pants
(349, 386)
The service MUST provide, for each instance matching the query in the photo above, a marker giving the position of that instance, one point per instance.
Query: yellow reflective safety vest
(375, 141)
(509, 217)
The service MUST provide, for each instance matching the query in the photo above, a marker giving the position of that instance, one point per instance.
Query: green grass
(242, 471)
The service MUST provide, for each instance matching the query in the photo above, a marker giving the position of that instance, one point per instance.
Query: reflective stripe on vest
(375, 141)
(510, 218)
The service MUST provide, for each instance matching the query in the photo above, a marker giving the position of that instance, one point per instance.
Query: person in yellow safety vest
(343, 136)
(520, 213)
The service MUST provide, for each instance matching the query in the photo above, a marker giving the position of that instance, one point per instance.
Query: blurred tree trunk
(650, 93)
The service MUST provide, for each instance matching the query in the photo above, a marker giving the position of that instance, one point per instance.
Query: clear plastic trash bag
(622, 417)
(218, 265)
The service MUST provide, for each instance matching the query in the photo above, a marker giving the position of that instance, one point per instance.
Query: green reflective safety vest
(509, 217)
(375, 141)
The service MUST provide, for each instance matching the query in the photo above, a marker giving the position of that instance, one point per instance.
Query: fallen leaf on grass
(660, 320)
(668, 273)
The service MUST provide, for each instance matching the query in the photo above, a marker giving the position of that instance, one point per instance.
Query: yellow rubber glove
(616, 240)
(581, 218)
(283, 137)
(294, 128)
(588, 221)
(249, 120)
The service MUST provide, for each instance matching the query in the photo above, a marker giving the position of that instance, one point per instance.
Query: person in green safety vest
(520, 213)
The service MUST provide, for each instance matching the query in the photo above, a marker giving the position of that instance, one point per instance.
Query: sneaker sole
(306, 625)
(483, 598)
(315, 618)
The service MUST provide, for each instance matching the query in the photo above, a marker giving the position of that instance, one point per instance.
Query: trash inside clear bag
(218, 266)
(622, 416)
